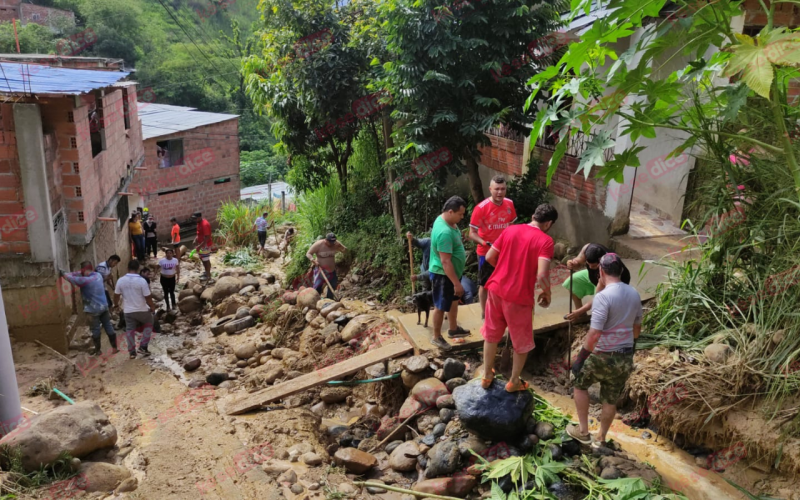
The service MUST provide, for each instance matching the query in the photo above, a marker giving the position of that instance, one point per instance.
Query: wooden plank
(333, 372)
(394, 315)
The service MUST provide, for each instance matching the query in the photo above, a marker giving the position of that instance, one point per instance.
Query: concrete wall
(211, 153)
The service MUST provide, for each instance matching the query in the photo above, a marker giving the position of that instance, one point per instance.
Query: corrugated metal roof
(19, 78)
(164, 119)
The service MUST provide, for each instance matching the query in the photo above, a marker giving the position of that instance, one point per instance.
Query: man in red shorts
(203, 242)
(489, 218)
(520, 256)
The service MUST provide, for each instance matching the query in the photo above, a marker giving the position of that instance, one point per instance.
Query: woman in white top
(170, 275)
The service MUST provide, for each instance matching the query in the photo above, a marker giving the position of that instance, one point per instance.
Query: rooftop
(164, 119)
(17, 78)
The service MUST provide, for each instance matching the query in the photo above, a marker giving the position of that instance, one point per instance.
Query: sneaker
(133, 355)
(143, 351)
(575, 433)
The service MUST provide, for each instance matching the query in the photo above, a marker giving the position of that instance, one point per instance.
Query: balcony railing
(576, 147)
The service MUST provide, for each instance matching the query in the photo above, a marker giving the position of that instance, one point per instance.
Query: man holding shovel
(521, 257)
(323, 255)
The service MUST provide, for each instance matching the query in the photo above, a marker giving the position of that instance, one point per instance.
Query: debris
(56, 353)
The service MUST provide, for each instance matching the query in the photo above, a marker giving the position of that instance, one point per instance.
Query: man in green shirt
(446, 266)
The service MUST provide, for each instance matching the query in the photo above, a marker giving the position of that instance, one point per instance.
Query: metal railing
(576, 146)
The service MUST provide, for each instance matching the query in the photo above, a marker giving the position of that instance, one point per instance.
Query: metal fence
(576, 146)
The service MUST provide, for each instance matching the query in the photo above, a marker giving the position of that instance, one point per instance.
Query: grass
(235, 223)
(19, 482)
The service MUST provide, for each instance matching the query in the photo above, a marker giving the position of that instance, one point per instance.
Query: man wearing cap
(323, 255)
(587, 281)
(607, 352)
(203, 242)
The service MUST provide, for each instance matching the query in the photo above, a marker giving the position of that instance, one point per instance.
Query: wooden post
(283, 202)
(16, 37)
(411, 263)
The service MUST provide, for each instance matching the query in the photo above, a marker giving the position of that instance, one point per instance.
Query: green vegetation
(236, 220)
(18, 482)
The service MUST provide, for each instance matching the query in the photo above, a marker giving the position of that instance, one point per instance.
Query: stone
(333, 395)
(216, 377)
(473, 443)
(422, 397)
(445, 401)
(356, 327)
(266, 345)
(453, 368)
(272, 252)
(347, 489)
(411, 379)
(611, 473)
(308, 298)
(297, 489)
(127, 485)
(404, 457)
(778, 336)
(355, 461)
(242, 312)
(416, 364)
(284, 353)
(100, 476)
(77, 429)
(428, 440)
(439, 374)
(289, 298)
(376, 371)
(438, 430)
(454, 382)
(289, 476)
(225, 287)
(311, 459)
(247, 290)
(238, 325)
(493, 412)
(446, 415)
(329, 308)
(274, 467)
(375, 490)
(311, 315)
(186, 292)
(268, 277)
(323, 303)
(245, 351)
(192, 365)
(443, 459)
(545, 430)
(559, 251)
(392, 446)
(255, 300)
(190, 304)
(250, 280)
(717, 353)
(343, 320)
(457, 486)
(207, 295)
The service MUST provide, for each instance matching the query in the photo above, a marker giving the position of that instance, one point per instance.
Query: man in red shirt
(203, 242)
(487, 223)
(521, 256)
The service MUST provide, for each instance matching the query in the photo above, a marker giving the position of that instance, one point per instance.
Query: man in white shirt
(138, 308)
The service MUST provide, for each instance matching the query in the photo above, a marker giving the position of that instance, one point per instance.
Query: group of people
(512, 260)
(145, 240)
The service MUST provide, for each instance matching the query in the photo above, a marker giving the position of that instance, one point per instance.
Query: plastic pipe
(10, 409)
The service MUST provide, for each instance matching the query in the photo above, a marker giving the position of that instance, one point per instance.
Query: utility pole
(10, 409)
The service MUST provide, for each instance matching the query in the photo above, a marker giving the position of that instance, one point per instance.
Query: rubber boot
(96, 342)
(113, 340)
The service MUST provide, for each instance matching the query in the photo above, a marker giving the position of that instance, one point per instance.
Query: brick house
(29, 13)
(70, 140)
(191, 164)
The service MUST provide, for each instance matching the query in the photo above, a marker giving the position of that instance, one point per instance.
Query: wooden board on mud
(334, 372)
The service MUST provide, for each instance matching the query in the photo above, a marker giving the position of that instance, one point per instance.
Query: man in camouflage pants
(607, 352)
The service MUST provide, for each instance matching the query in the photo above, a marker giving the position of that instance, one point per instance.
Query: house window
(35, 17)
(162, 193)
(71, 117)
(96, 127)
(73, 143)
(80, 216)
(222, 181)
(78, 192)
(170, 153)
(76, 168)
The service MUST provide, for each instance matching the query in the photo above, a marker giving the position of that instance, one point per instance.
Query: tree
(455, 73)
(307, 78)
(690, 99)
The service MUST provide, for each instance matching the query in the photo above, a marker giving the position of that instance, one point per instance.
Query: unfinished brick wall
(13, 241)
(202, 194)
(568, 184)
(504, 155)
(45, 16)
(786, 14)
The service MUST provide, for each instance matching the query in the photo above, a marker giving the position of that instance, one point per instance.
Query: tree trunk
(475, 184)
(394, 198)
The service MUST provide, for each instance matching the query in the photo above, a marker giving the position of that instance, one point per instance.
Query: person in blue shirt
(95, 304)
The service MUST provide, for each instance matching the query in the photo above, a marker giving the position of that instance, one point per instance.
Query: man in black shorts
(588, 281)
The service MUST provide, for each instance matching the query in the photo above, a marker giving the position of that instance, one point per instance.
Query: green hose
(368, 381)
(63, 396)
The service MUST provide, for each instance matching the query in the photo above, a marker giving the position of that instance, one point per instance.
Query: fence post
(283, 202)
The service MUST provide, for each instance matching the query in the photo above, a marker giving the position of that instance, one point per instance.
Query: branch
(768, 147)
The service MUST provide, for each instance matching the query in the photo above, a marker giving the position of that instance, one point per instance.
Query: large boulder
(493, 412)
(100, 476)
(207, 295)
(190, 304)
(225, 287)
(308, 298)
(186, 292)
(77, 429)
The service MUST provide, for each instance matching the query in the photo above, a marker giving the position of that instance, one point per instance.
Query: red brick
(20, 247)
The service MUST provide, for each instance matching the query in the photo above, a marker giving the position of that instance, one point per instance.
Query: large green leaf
(561, 148)
(595, 152)
(752, 62)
